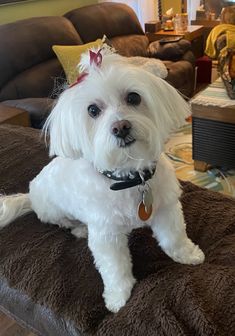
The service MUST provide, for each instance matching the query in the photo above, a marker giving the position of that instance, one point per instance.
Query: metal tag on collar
(145, 207)
(148, 199)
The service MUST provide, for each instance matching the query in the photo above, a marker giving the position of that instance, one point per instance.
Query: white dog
(112, 125)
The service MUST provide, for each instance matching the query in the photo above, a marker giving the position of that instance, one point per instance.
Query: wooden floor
(9, 327)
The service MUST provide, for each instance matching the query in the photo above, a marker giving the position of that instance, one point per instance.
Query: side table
(213, 128)
(194, 34)
(14, 116)
(208, 25)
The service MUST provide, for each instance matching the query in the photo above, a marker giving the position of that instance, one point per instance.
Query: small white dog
(112, 125)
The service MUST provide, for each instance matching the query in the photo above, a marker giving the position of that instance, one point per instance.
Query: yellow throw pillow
(69, 57)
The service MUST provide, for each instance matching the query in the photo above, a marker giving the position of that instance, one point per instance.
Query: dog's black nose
(121, 128)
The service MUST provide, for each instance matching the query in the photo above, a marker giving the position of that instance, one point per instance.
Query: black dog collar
(133, 178)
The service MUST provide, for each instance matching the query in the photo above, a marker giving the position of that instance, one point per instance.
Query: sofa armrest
(181, 75)
(37, 108)
(172, 51)
(13, 115)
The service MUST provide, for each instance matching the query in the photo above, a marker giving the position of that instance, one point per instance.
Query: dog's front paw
(189, 254)
(115, 299)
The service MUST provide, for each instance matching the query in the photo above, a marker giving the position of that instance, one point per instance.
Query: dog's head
(118, 116)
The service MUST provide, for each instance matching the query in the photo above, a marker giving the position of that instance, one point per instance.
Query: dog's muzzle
(121, 130)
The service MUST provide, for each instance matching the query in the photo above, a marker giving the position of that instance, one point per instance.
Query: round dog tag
(143, 212)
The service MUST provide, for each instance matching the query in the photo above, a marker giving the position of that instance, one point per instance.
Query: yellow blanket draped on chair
(214, 34)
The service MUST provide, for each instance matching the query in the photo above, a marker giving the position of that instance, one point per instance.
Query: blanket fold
(210, 49)
(56, 270)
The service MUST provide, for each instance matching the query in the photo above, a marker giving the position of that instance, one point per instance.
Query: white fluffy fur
(152, 65)
(70, 188)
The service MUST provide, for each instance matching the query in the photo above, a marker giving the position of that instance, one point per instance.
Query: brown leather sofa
(31, 76)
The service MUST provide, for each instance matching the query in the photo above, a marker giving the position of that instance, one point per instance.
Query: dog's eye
(93, 111)
(133, 98)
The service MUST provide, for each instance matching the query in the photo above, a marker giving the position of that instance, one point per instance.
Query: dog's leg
(170, 230)
(13, 206)
(113, 261)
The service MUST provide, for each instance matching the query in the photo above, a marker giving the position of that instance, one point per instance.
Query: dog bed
(48, 281)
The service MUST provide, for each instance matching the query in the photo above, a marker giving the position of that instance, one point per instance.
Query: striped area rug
(214, 95)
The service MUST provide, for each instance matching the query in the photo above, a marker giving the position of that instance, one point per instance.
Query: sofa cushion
(48, 266)
(110, 19)
(117, 21)
(41, 80)
(70, 56)
(131, 45)
(25, 46)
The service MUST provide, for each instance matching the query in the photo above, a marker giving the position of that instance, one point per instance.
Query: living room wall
(30, 8)
(175, 4)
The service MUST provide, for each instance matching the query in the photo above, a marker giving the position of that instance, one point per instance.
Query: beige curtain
(192, 6)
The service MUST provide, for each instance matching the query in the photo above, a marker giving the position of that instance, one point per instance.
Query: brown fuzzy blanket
(56, 270)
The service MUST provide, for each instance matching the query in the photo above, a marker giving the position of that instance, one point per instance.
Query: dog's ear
(170, 108)
(60, 125)
(178, 109)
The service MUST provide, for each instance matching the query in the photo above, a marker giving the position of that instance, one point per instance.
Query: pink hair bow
(79, 79)
(95, 58)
